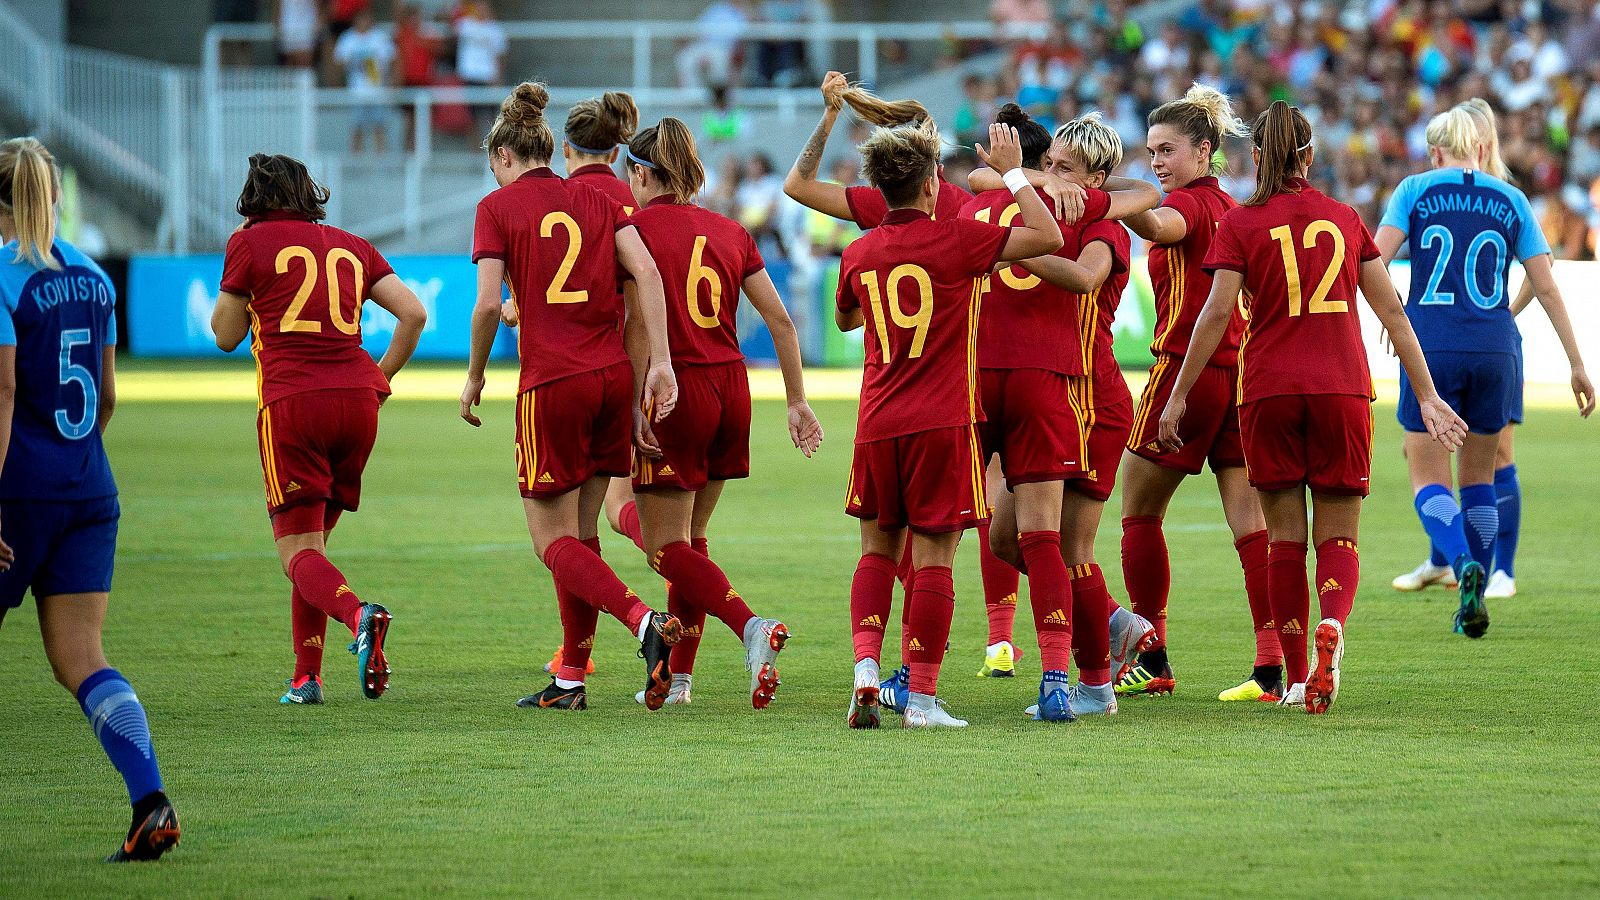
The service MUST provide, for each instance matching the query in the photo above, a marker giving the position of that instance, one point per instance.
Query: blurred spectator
(342, 15)
(756, 202)
(1019, 19)
(782, 63)
(416, 54)
(298, 22)
(480, 52)
(366, 55)
(723, 122)
(709, 59)
(236, 12)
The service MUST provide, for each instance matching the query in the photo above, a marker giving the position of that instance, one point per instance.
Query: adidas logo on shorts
(546, 479)
(666, 470)
(291, 487)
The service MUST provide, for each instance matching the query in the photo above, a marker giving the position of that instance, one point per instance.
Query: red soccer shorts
(1320, 440)
(573, 429)
(1107, 416)
(314, 447)
(1032, 424)
(707, 436)
(929, 481)
(1210, 425)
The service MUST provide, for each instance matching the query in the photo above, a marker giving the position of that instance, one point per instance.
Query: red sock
(628, 521)
(908, 582)
(1146, 570)
(1050, 591)
(933, 605)
(1091, 632)
(703, 584)
(871, 596)
(1000, 583)
(1291, 604)
(323, 586)
(580, 570)
(691, 617)
(1338, 574)
(1253, 557)
(309, 626)
(578, 621)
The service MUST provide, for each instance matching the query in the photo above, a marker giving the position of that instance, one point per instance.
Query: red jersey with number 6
(704, 258)
(918, 283)
(1300, 254)
(1180, 282)
(558, 240)
(305, 283)
(868, 207)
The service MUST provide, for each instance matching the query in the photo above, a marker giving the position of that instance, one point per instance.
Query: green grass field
(1447, 768)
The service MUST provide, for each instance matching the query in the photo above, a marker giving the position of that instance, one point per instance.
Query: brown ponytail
(521, 127)
(1035, 140)
(667, 152)
(30, 182)
(885, 113)
(596, 125)
(1283, 138)
(279, 182)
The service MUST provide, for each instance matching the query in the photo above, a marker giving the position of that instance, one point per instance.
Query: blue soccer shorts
(59, 547)
(1485, 389)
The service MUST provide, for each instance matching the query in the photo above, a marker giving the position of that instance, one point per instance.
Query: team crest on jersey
(873, 621)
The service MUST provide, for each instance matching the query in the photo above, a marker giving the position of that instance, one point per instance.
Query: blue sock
(1508, 496)
(1435, 558)
(1441, 519)
(1482, 516)
(118, 720)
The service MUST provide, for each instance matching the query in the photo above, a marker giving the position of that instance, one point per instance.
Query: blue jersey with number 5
(60, 320)
(1464, 228)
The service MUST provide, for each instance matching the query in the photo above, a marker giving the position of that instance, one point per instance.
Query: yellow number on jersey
(917, 321)
(699, 272)
(557, 291)
(1014, 277)
(1320, 303)
(291, 321)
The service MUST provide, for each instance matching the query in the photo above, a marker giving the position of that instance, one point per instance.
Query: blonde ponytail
(1489, 134)
(874, 110)
(29, 185)
(667, 151)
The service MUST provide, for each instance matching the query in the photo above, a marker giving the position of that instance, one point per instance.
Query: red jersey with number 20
(305, 283)
(558, 240)
(918, 283)
(1300, 254)
(1179, 279)
(704, 258)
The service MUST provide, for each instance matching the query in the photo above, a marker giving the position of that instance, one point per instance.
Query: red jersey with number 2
(558, 240)
(1178, 277)
(704, 259)
(918, 283)
(305, 283)
(1300, 254)
(868, 207)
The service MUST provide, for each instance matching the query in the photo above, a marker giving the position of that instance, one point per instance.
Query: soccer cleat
(1140, 680)
(925, 711)
(762, 645)
(1294, 699)
(678, 694)
(1423, 576)
(1258, 687)
(894, 690)
(151, 834)
(999, 664)
(1501, 586)
(1131, 634)
(659, 635)
(556, 697)
(1092, 701)
(555, 663)
(371, 664)
(305, 690)
(1054, 705)
(865, 711)
(1472, 619)
(1322, 686)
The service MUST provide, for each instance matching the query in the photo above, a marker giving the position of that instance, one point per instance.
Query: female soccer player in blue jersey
(1464, 227)
(58, 502)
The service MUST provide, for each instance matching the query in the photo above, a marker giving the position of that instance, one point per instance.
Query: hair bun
(525, 107)
(1013, 115)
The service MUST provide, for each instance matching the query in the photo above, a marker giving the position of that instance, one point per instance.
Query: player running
(297, 286)
(1184, 139)
(1463, 227)
(684, 462)
(1305, 392)
(915, 283)
(58, 501)
(557, 245)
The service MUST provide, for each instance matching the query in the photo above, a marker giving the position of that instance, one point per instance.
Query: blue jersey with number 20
(1464, 228)
(60, 321)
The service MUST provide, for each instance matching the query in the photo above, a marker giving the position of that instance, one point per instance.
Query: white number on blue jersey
(1439, 235)
(72, 373)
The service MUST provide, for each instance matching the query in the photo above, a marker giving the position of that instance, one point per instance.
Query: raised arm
(230, 320)
(1541, 276)
(801, 183)
(485, 323)
(1039, 233)
(1443, 424)
(1081, 275)
(392, 294)
(660, 392)
(804, 429)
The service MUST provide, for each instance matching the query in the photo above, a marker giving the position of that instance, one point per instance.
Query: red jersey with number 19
(1300, 254)
(868, 207)
(704, 258)
(558, 240)
(305, 283)
(1180, 282)
(918, 283)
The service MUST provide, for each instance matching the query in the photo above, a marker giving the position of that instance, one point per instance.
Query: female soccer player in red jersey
(685, 461)
(557, 245)
(297, 286)
(1184, 139)
(1305, 393)
(915, 284)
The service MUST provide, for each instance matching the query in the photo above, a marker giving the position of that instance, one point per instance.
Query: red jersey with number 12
(1179, 279)
(704, 258)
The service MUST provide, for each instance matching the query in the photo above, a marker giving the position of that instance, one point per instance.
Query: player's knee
(1004, 546)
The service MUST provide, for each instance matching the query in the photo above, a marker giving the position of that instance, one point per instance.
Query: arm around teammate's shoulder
(1039, 234)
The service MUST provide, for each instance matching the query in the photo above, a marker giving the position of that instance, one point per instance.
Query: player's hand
(644, 440)
(1005, 149)
(471, 396)
(1383, 338)
(1443, 424)
(660, 390)
(833, 88)
(1170, 417)
(804, 429)
(1583, 390)
(7, 555)
(1069, 198)
(508, 313)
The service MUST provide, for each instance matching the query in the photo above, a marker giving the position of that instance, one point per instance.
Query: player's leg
(1285, 511)
(871, 599)
(932, 601)
(692, 618)
(1038, 527)
(1147, 488)
(1480, 518)
(1242, 508)
(1092, 631)
(1334, 524)
(1508, 495)
(1000, 583)
(309, 630)
(622, 513)
(302, 551)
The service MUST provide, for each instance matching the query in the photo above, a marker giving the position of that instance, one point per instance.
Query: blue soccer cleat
(1472, 619)
(305, 690)
(371, 665)
(895, 690)
(1054, 703)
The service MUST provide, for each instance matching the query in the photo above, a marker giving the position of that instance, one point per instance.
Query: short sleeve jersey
(1463, 229)
(604, 179)
(703, 258)
(867, 206)
(305, 283)
(1180, 281)
(558, 241)
(1098, 308)
(1027, 322)
(60, 321)
(1300, 254)
(918, 283)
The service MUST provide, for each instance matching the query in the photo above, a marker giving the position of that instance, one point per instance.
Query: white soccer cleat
(678, 693)
(1092, 701)
(1322, 685)
(1131, 635)
(1425, 575)
(865, 710)
(1501, 586)
(1294, 699)
(763, 640)
(926, 711)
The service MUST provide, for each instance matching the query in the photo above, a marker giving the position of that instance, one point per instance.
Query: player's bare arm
(394, 297)
(1081, 275)
(1443, 424)
(108, 389)
(661, 386)
(1209, 329)
(1161, 225)
(1389, 240)
(636, 340)
(485, 324)
(230, 320)
(1541, 277)
(801, 183)
(804, 429)
(848, 320)
(1066, 198)
(1039, 233)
